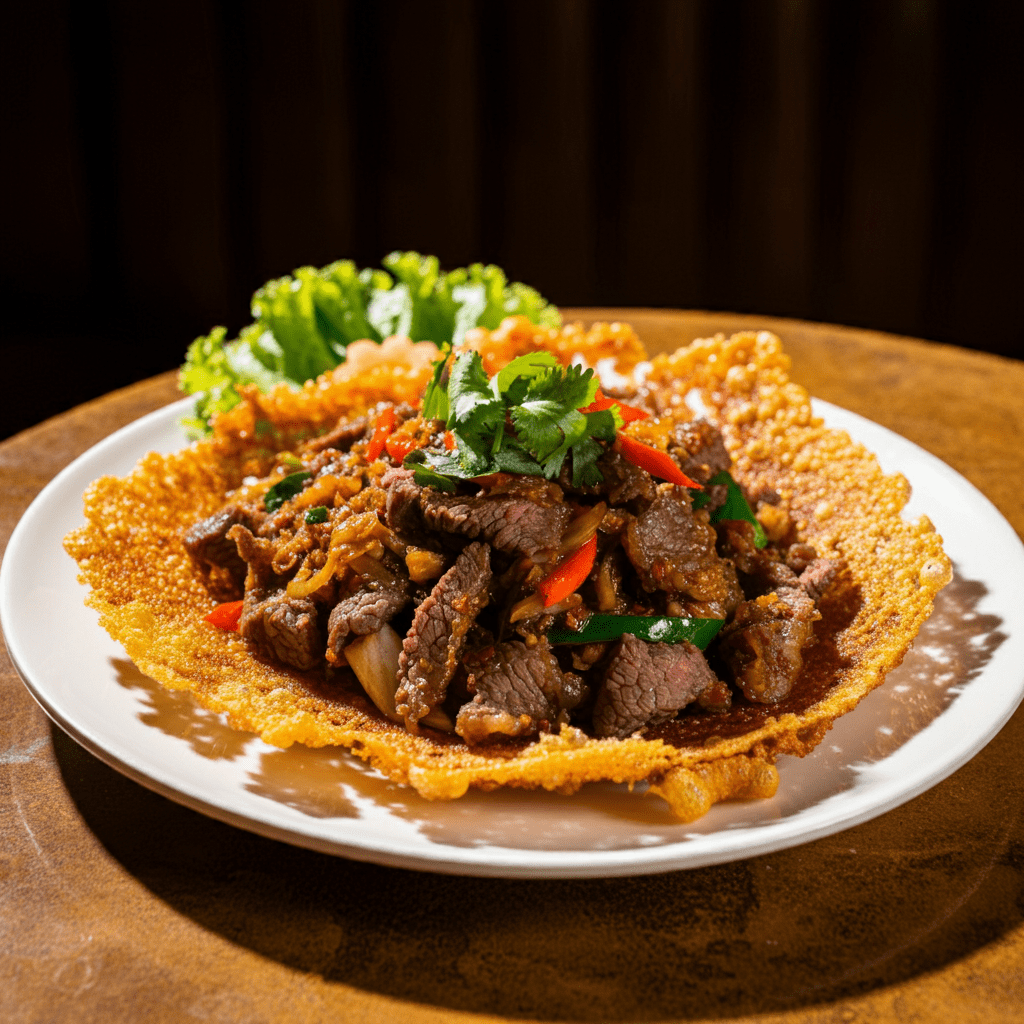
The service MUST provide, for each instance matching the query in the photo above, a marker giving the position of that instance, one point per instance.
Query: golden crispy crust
(151, 599)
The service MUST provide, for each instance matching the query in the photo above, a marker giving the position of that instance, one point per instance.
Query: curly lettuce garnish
(304, 323)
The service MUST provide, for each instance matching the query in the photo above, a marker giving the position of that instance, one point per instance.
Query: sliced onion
(605, 588)
(582, 528)
(304, 587)
(438, 719)
(374, 659)
(529, 607)
(367, 565)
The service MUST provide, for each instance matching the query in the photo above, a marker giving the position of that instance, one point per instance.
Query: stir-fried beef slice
(519, 691)
(621, 483)
(818, 576)
(764, 571)
(282, 627)
(799, 556)
(699, 449)
(208, 542)
(673, 549)
(513, 525)
(763, 645)
(762, 568)
(402, 506)
(645, 684)
(333, 462)
(533, 488)
(434, 644)
(341, 437)
(363, 612)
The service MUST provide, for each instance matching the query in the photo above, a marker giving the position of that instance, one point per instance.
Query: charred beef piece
(342, 437)
(799, 556)
(818, 576)
(673, 549)
(622, 483)
(761, 568)
(433, 646)
(402, 506)
(513, 524)
(519, 691)
(646, 684)
(363, 612)
(208, 542)
(282, 627)
(516, 526)
(763, 645)
(699, 449)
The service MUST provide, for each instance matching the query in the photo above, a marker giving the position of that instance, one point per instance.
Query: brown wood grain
(120, 906)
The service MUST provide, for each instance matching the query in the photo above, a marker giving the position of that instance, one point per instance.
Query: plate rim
(496, 861)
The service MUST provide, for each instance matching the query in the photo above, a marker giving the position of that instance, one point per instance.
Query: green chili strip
(654, 628)
(285, 488)
(735, 506)
(317, 514)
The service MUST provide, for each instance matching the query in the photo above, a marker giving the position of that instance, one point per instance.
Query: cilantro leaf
(585, 454)
(474, 413)
(548, 420)
(526, 419)
(523, 367)
(513, 458)
(435, 398)
(427, 475)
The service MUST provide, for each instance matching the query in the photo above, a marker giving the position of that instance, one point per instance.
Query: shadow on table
(907, 893)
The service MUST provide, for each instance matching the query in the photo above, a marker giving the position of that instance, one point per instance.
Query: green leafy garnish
(285, 488)
(734, 507)
(304, 323)
(318, 514)
(663, 629)
(435, 398)
(526, 419)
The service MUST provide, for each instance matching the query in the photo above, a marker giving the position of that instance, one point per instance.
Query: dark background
(854, 162)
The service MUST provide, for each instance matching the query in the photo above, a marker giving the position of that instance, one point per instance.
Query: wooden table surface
(121, 906)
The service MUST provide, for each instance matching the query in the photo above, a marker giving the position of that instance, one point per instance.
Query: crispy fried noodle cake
(703, 579)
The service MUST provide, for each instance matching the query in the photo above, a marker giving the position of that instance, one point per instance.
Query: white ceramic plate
(956, 688)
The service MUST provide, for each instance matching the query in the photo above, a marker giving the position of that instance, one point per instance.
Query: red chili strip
(569, 575)
(655, 461)
(629, 413)
(226, 616)
(399, 447)
(384, 425)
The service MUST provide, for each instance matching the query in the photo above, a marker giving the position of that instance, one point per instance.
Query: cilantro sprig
(528, 418)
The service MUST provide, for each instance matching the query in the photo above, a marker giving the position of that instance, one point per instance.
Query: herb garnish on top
(525, 419)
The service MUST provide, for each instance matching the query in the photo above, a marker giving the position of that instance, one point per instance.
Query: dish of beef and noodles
(481, 569)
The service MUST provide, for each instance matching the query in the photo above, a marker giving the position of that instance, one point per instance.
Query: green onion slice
(285, 488)
(663, 629)
(735, 506)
